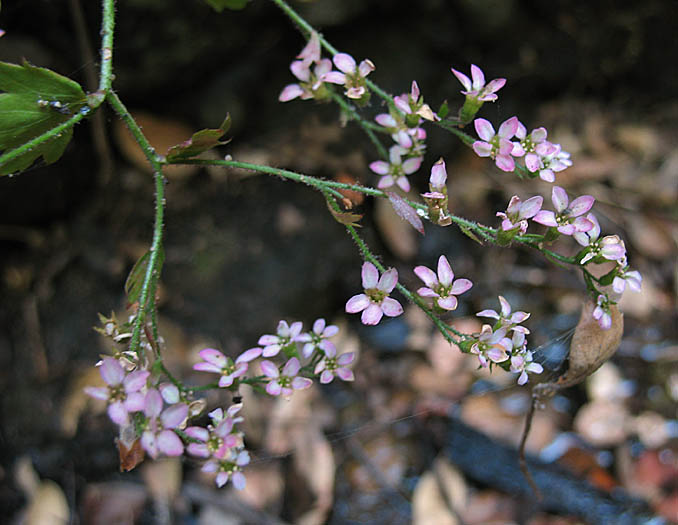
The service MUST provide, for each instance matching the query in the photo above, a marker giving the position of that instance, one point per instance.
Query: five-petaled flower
(610, 247)
(601, 312)
(375, 302)
(122, 391)
(352, 75)
(158, 436)
(476, 88)
(442, 287)
(625, 276)
(497, 146)
(318, 338)
(491, 345)
(331, 365)
(395, 171)
(506, 318)
(215, 361)
(310, 81)
(287, 381)
(568, 218)
(286, 335)
(518, 212)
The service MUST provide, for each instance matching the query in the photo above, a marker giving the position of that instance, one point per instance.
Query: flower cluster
(543, 158)
(493, 344)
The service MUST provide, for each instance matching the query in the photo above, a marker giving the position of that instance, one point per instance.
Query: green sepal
(443, 110)
(200, 141)
(33, 101)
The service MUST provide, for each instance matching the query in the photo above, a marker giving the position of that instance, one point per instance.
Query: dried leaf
(346, 218)
(591, 346)
(405, 211)
(131, 454)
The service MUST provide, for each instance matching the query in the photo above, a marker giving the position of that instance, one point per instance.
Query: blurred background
(244, 251)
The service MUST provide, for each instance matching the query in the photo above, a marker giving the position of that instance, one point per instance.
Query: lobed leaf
(33, 101)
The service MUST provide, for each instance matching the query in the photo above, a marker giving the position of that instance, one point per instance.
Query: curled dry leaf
(591, 346)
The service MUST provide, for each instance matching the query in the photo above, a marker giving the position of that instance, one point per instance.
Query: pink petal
(135, 380)
(174, 416)
(269, 369)
(411, 165)
(369, 275)
(301, 383)
(366, 67)
(559, 198)
(465, 81)
(505, 163)
(380, 167)
(388, 280)
(268, 339)
(445, 273)
(385, 182)
(326, 377)
(300, 70)
(391, 307)
(508, 128)
(545, 217)
(538, 135)
(213, 356)
(505, 307)
(478, 77)
(170, 444)
(448, 303)
(97, 392)
(292, 367)
(427, 275)
(404, 185)
(460, 286)
(386, 120)
(153, 403)
(198, 449)
(482, 149)
(346, 359)
(170, 393)
(148, 442)
(357, 303)
(118, 413)
(135, 402)
(334, 77)
(344, 62)
(372, 314)
(345, 374)
(438, 174)
(200, 433)
(488, 313)
(249, 355)
(531, 206)
(222, 479)
(111, 371)
(206, 367)
(290, 92)
(495, 85)
(484, 129)
(273, 388)
(414, 91)
(547, 175)
(532, 162)
(581, 205)
(238, 480)
(402, 103)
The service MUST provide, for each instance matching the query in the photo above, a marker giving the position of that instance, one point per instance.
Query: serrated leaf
(135, 279)
(200, 141)
(405, 211)
(35, 100)
(220, 5)
(345, 217)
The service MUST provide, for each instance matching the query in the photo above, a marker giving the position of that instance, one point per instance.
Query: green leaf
(34, 100)
(135, 279)
(467, 231)
(220, 5)
(200, 142)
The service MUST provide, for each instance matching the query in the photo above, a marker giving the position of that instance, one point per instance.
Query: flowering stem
(350, 110)
(108, 23)
(152, 271)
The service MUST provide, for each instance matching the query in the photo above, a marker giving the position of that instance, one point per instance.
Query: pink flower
(352, 76)
(568, 216)
(629, 277)
(218, 363)
(219, 437)
(527, 145)
(122, 391)
(230, 468)
(375, 302)
(395, 171)
(522, 362)
(318, 338)
(601, 312)
(442, 287)
(331, 365)
(549, 159)
(412, 103)
(491, 345)
(610, 247)
(287, 336)
(497, 146)
(518, 212)
(310, 80)
(287, 381)
(477, 88)
(506, 318)
(158, 437)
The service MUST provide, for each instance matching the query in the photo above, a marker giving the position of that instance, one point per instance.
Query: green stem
(350, 110)
(108, 23)
(152, 269)
(46, 136)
